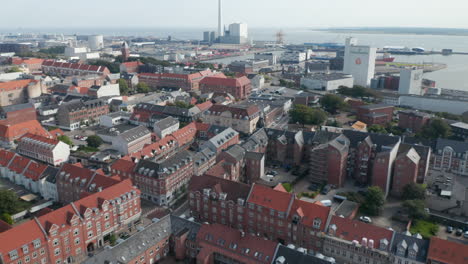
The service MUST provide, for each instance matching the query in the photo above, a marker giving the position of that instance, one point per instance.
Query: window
(317, 223)
(90, 234)
(56, 242)
(26, 259)
(57, 251)
(34, 255)
(37, 243)
(13, 254)
(77, 241)
(75, 232)
(42, 251)
(25, 249)
(89, 225)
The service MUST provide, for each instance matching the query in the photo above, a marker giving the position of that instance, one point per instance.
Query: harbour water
(452, 77)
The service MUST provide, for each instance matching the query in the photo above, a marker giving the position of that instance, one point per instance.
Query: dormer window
(317, 223)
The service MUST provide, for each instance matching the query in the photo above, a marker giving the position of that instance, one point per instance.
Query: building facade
(51, 151)
(241, 119)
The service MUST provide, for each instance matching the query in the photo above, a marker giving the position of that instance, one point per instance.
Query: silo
(96, 42)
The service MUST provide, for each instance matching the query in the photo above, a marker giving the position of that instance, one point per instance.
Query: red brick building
(74, 181)
(240, 87)
(413, 120)
(51, 67)
(328, 162)
(32, 64)
(221, 244)
(406, 170)
(69, 234)
(9, 132)
(376, 114)
(186, 81)
(272, 213)
(17, 113)
(130, 67)
(72, 115)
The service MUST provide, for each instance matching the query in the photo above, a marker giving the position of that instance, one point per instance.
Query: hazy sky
(257, 13)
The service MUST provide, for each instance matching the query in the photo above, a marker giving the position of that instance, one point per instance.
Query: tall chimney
(220, 20)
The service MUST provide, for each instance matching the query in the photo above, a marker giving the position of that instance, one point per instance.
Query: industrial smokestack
(220, 20)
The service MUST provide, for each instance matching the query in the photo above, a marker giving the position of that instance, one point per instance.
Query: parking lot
(281, 177)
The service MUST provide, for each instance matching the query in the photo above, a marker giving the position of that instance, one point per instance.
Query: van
(326, 203)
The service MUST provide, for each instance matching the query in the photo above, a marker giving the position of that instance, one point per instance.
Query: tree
(374, 200)
(437, 128)
(306, 115)
(94, 141)
(9, 202)
(13, 69)
(357, 91)
(65, 140)
(377, 129)
(112, 239)
(416, 209)
(414, 191)
(332, 103)
(7, 218)
(123, 87)
(112, 66)
(142, 88)
(182, 104)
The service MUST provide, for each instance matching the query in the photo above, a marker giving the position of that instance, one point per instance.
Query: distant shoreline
(399, 31)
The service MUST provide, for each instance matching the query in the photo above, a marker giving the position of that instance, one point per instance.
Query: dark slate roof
(308, 137)
(135, 133)
(166, 122)
(457, 146)
(167, 166)
(419, 141)
(78, 104)
(423, 151)
(292, 256)
(422, 245)
(322, 137)
(16, 107)
(378, 139)
(215, 129)
(234, 190)
(254, 155)
(116, 130)
(136, 244)
(50, 174)
(346, 208)
(236, 151)
(375, 106)
(259, 138)
(181, 226)
(203, 156)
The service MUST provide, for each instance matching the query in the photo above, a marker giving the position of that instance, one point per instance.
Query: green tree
(13, 69)
(94, 141)
(437, 128)
(65, 140)
(416, 209)
(123, 87)
(182, 104)
(142, 88)
(112, 66)
(7, 218)
(377, 129)
(414, 191)
(306, 115)
(357, 91)
(332, 103)
(374, 200)
(112, 239)
(9, 202)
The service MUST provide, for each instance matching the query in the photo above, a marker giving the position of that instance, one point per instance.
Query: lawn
(425, 228)
(88, 149)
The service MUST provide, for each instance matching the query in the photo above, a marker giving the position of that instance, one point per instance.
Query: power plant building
(359, 61)
(96, 42)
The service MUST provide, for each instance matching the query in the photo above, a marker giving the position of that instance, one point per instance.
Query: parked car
(449, 229)
(459, 232)
(465, 235)
(325, 189)
(365, 219)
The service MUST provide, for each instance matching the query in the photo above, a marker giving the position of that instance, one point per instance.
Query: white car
(365, 219)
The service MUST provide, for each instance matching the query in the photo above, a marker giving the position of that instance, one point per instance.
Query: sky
(256, 13)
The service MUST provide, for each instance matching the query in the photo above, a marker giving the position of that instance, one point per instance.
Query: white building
(96, 42)
(113, 119)
(107, 90)
(296, 56)
(271, 57)
(359, 61)
(51, 151)
(257, 81)
(327, 81)
(410, 81)
(238, 33)
(166, 126)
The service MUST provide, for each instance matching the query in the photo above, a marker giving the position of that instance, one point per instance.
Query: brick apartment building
(413, 121)
(51, 67)
(74, 181)
(406, 170)
(272, 213)
(285, 147)
(185, 81)
(72, 115)
(162, 181)
(31, 64)
(130, 67)
(241, 118)
(147, 114)
(69, 234)
(17, 113)
(10, 132)
(376, 114)
(222, 141)
(355, 242)
(328, 162)
(239, 87)
(48, 150)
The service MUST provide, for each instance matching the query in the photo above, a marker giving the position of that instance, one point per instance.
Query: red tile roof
(309, 212)
(233, 241)
(123, 166)
(13, 85)
(204, 106)
(5, 157)
(80, 90)
(185, 134)
(56, 132)
(18, 164)
(10, 132)
(40, 138)
(132, 64)
(269, 198)
(218, 170)
(449, 252)
(237, 111)
(79, 66)
(350, 230)
(4, 226)
(18, 61)
(78, 171)
(35, 170)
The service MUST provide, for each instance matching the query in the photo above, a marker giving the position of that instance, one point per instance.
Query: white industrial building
(96, 42)
(296, 56)
(113, 119)
(327, 81)
(447, 104)
(359, 61)
(410, 81)
(271, 57)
